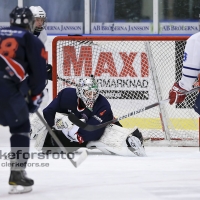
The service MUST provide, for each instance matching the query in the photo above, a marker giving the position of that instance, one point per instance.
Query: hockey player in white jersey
(40, 32)
(40, 21)
(190, 72)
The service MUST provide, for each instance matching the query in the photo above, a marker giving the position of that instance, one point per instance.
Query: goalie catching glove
(68, 129)
(176, 94)
(72, 134)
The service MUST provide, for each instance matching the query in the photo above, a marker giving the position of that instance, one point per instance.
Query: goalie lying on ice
(87, 104)
(115, 139)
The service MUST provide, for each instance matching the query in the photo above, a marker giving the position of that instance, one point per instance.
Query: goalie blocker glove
(176, 94)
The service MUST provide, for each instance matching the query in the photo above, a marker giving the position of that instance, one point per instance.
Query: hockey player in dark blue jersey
(21, 55)
(87, 104)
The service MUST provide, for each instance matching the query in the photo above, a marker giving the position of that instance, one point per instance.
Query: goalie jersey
(67, 101)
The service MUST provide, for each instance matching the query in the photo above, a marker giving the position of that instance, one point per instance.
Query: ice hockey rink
(166, 173)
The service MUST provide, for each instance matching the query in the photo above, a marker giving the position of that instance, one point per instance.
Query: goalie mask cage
(132, 72)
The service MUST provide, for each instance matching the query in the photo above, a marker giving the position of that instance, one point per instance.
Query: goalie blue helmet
(22, 17)
(88, 91)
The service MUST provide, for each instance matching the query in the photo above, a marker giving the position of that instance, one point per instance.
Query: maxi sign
(120, 75)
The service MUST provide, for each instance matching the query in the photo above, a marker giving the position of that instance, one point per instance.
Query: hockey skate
(19, 182)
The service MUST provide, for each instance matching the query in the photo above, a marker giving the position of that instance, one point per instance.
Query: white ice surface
(167, 173)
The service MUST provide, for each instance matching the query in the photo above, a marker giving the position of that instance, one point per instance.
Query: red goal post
(132, 72)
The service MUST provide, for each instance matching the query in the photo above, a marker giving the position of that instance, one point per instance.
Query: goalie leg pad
(37, 126)
(135, 146)
(39, 143)
(138, 134)
(119, 141)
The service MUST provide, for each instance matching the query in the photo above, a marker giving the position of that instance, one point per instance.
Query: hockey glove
(176, 94)
(49, 72)
(72, 134)
(197, 83)
(34, 102)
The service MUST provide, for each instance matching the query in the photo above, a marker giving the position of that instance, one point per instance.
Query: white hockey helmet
(38, 12)
(88, 91)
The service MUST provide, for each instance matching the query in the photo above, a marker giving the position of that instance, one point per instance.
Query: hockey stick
(67, 81)
(83, 155)
(89, 127)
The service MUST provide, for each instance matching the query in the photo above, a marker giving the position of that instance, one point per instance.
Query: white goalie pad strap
(114, 141)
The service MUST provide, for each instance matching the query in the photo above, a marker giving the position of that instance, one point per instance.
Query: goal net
(132, 72)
